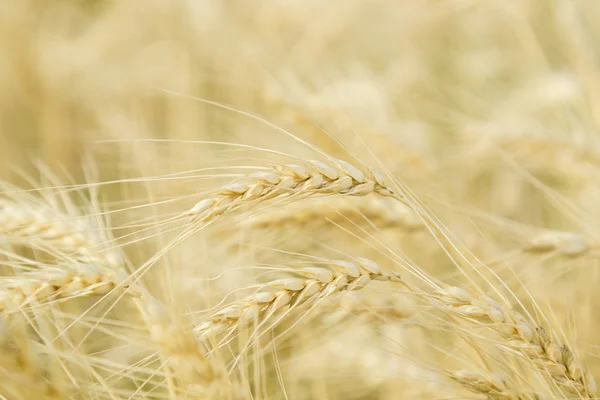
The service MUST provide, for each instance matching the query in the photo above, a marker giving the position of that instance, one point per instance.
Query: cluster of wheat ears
(79, 319)
(279, 199)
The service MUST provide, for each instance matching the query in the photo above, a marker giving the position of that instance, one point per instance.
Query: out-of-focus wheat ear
(371, 308)
(398, 155)
(311, 285)
(370, 209)
(37, 225)
(175, 343)
(292, 181)
(32, 289)
(542, 153)
(520, 334)
(492, 387)
(21, 375)
(568, 244)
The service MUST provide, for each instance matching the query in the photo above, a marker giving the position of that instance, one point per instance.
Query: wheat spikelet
(523, 336)
(311, 285)
(492, 387)
(285, 181)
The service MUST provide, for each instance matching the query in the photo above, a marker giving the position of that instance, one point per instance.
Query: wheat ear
(21, 376)
(311, 285)
(176, 342)
(371, 308)
(523, 336)
(285, 181)
(371, 209)
(564, 243)
(41, 225)
(492, 387)
(53, 283)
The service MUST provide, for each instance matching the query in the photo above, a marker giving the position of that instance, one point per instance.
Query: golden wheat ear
(175, 343)
(374, 210)
(66, 232)
(21, 371)
(522, 335)
(310, 286)
(492, 387)
(286, 182)
(53, 284)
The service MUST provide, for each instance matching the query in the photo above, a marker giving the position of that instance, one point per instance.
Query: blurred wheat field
(299, 199)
